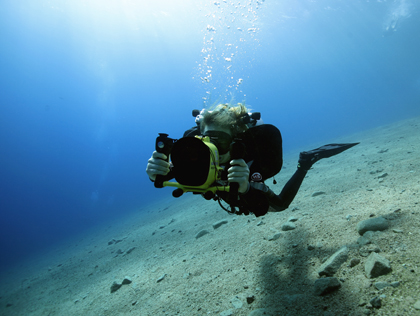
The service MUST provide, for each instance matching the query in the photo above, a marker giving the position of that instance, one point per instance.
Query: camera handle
(237, 151)
(164, 145)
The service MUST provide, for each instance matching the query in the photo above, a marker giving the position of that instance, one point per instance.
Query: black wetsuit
(263, 154)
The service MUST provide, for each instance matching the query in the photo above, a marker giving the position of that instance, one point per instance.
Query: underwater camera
(195, 165)
(195, 159)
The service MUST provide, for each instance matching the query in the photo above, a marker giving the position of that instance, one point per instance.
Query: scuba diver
(248, 152)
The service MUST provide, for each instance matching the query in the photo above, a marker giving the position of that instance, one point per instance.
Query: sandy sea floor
(248, 265)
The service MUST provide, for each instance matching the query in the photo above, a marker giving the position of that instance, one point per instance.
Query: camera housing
(195, 163)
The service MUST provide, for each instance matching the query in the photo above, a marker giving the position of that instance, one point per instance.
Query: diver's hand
(239, 172)
(157, 165)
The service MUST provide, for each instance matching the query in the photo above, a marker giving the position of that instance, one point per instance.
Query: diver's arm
(255, 201)
(250, 199)
(281, 201)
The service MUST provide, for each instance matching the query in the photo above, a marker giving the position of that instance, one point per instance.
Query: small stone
(376, 265)
(292, 219)
(236, 302)
(333, 263)
(376, 302)
(219, 223)
(201, 233)
(326, 285)
(133, 303)
(381, 285)
(119, 240)
(316, 193)
(398, 231)
(275, 237)
(288, 226)
(395, 284)
(372, 224)
(115, 287)
(130, 250)
(126, 280)
(310, 247)
(417, 305)
(161, 278)
(354, 262)
(250, 299)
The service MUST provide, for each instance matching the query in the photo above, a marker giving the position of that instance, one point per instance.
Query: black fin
(308, 158)
(330, 150)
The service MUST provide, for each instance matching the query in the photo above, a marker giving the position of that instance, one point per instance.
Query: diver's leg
(292, 187)
(306, 160)
(284, 199)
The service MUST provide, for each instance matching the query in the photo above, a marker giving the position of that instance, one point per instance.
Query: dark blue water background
(87, 85)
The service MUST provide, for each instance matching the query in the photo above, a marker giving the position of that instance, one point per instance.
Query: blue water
(87, 85)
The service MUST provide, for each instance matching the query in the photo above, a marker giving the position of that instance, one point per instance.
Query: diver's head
(222, 125)
(225, 117)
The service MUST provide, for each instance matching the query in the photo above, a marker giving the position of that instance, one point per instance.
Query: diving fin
(308, 158)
